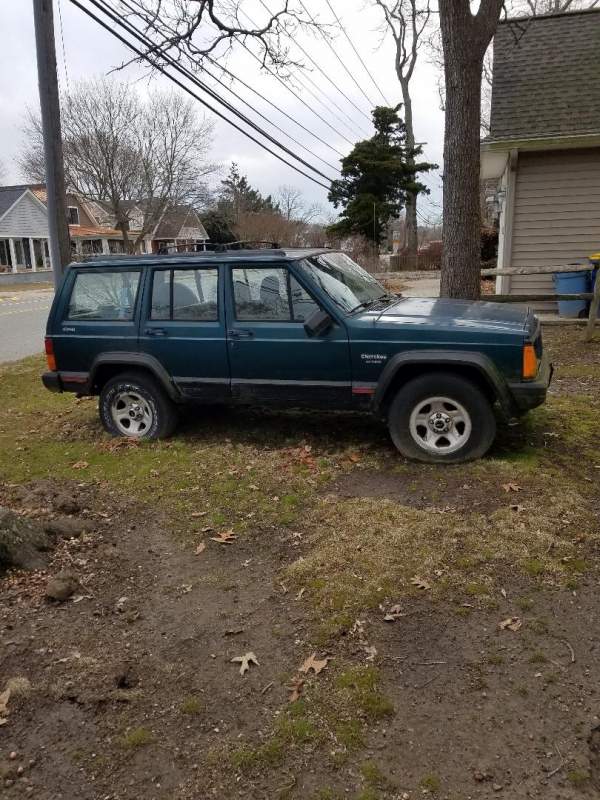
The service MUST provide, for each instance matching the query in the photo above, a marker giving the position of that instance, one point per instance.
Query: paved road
(23, 317)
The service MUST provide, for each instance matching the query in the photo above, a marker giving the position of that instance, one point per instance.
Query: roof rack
(246, 244)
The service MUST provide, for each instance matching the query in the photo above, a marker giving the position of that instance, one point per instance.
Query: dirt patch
(431, 490)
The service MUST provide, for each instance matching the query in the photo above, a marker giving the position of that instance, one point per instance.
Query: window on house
(116, 246)
(185, 295)
(5, 253)
(105, 296)
(91, 247)
(73, 215)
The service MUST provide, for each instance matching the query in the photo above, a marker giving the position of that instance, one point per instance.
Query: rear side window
(185, 295)
(104, 296)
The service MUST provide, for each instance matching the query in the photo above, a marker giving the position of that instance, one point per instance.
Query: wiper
(367, 303)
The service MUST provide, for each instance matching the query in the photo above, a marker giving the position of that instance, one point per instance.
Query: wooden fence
(421, 262)
(594, 296)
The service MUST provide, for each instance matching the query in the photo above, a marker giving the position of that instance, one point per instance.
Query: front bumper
(530, 394)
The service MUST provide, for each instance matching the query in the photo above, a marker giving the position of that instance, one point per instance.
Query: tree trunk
(462, 213)
(411, 241)
(465, 39)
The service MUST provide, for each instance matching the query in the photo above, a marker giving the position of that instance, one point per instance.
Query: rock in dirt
(125, 677)
(594, 744)
(67, 527)
(23, 542)
(66, 504)
(62, 586)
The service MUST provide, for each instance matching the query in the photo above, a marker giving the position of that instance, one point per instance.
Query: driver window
(261, 294)
(302, 303)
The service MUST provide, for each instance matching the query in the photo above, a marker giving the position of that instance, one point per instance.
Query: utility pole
(58, 227)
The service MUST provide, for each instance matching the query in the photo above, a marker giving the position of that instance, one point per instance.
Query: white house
(24, 228)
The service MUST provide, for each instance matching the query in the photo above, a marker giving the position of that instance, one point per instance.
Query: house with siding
(544, 144)
(24, 228)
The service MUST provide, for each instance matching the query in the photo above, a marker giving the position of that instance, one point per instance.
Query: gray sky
(91, 51)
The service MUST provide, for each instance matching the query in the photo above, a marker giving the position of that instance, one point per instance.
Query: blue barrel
(571, 283)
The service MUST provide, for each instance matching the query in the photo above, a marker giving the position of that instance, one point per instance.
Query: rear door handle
(240, 333)
(155, 332)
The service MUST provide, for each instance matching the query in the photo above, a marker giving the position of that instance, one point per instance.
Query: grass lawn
(133, 687)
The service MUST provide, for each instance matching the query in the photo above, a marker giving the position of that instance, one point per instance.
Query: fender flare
(128, 360)
(445, 358)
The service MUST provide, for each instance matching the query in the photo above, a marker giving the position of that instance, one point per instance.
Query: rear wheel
(441, 418)
(134, 405)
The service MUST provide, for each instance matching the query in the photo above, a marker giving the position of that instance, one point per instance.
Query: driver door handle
(155, 332)
(240, 333)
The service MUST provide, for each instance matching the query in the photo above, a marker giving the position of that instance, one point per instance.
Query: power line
(266, 99)
(64, 52)
(319, 68)
(358, 55)
(242, 100)
(294, 93)
(333, 50)
(185, 88)
(103, 6)
(195, 50)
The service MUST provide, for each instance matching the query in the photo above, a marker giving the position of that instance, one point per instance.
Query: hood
(469, 314)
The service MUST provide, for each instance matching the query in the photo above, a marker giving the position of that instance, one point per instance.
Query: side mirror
(318, 323)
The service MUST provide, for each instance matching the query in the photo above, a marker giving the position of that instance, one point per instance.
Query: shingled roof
(546, 76)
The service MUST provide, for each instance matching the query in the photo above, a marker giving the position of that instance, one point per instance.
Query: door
(96, 312)
(183, 326)
(272, 358)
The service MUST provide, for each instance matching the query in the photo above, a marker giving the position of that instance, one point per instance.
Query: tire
(458, 424)
(138, 397)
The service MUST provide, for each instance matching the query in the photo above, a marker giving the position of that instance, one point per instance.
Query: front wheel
(441, 418)
(134, 405)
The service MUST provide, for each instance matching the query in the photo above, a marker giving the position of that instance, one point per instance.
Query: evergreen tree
(376, 177)
(237, 197)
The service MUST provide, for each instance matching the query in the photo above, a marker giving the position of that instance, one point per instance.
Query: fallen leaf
(295, 688)
(517, 509)
(154, 473)
(80, 465)
(420, 583)
(503, 592)
(225, 537)
(197, 514)
(393, 613)
(355, 457)
(201, 548)
(245, 661)
(4, 698)
(312, 662)
(511, 624)
(300, 593)
(254, 487)
(371, 652)
(206, 529)
(511, 487)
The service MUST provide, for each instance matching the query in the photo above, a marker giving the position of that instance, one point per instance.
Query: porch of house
(24, 254)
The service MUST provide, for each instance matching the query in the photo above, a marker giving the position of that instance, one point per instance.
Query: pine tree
(376, 177)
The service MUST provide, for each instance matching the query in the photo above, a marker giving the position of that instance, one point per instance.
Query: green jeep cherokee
(291, 328)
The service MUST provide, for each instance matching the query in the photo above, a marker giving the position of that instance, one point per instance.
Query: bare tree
(465, 39)
(292, 206)
(2, 173)
(128, 153)
(407, 21)
(198, 29)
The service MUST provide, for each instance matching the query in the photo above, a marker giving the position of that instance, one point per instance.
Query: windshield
(349, 286)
